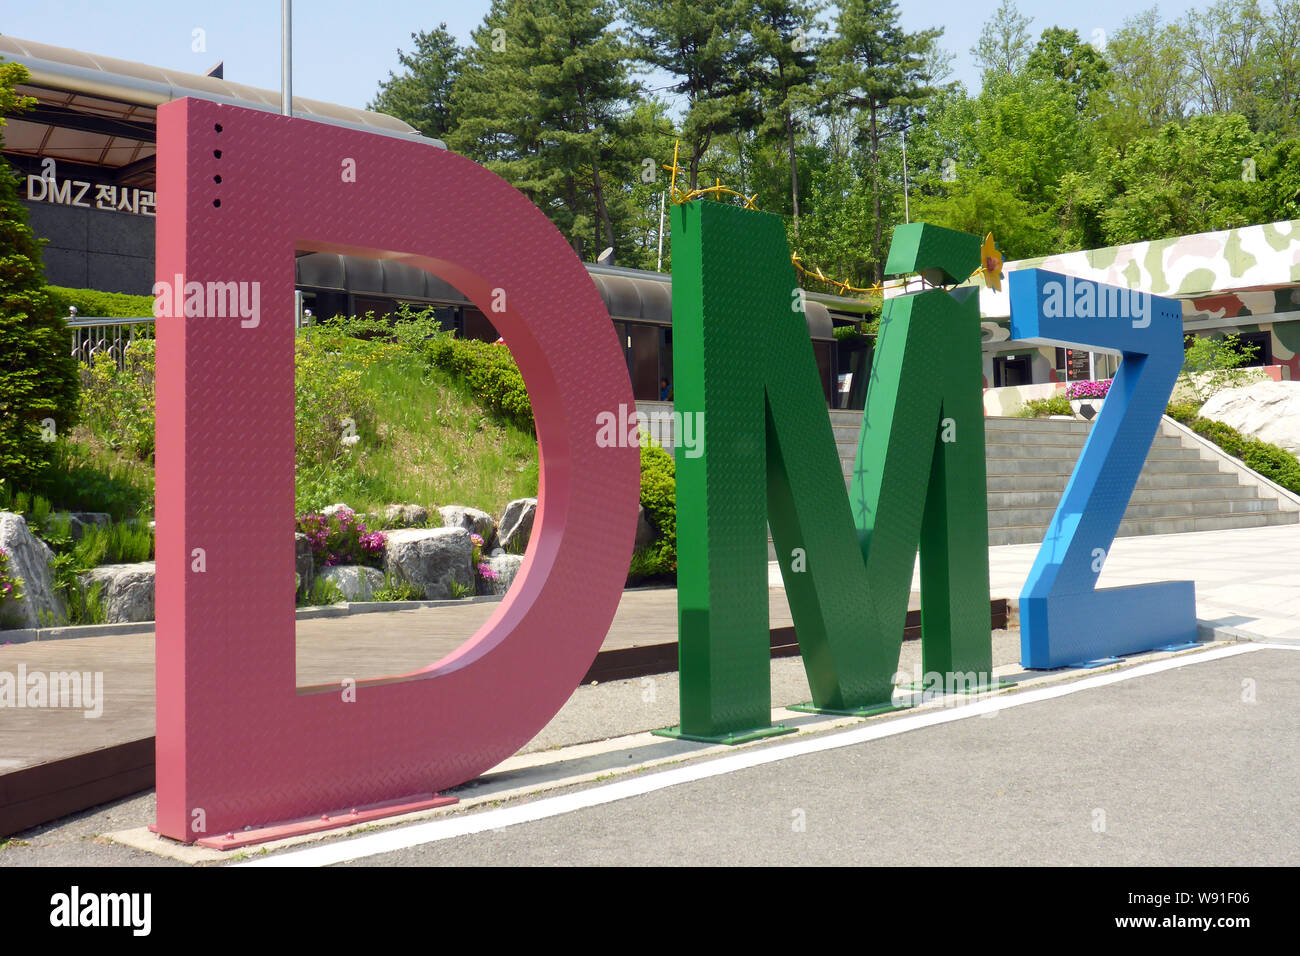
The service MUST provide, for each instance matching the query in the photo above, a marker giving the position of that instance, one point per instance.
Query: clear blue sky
(342, 49)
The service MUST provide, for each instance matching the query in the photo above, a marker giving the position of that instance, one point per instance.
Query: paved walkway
(359, 646)
(1246, 578)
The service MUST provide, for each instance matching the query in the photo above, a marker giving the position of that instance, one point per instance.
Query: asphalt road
(1181, 767)
(1194, 765)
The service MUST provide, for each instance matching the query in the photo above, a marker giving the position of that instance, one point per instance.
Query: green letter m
(744, 367)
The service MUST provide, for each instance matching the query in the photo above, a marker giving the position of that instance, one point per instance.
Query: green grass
(431, 445)
(87, 475)
(425, 439)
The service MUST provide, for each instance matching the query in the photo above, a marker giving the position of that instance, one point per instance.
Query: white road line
(448, 828)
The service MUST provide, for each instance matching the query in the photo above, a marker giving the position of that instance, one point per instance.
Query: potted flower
(1086, 397)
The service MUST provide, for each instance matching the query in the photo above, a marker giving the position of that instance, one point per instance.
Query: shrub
(11, 586)
(38, 376)
(79, 479)
(11, 592)
(342, 538)
(118, 405)
(1276, 464)
(322, 592)
(1056, 404)
(659, 498)
(123, 542)
(1211, 364)
(332, 411)
(397, 590)
(489, 372)
(90, 303)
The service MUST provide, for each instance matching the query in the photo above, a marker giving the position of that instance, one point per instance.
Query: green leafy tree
(1009, 149)
(1222, 44)
(1185, 179)
(1149, 78)
(38, 376)
(1004, 43)
(421, 95)
(1062, 54)
(1279, 49)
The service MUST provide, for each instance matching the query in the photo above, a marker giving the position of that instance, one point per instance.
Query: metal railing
(91, 335)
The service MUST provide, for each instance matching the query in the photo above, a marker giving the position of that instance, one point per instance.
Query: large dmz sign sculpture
(241, 745)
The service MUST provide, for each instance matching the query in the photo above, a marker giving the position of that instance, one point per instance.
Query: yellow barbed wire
(989, 269)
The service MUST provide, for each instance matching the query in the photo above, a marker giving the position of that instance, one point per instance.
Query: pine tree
(38, 376)
(786, 70)
(543, 99)
(421, 95)
(877, 69)
(704, 44)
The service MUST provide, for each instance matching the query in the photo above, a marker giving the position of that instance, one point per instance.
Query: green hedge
(659, 498)
(92, 302)
(489, 372)
(1276, 464)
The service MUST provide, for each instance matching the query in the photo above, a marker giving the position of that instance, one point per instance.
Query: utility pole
(659, 265)
(907, 213)
(286, 57)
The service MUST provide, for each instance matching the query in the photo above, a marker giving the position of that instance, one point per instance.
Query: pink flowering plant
(1097, 390)
(342, 538)
(481, 568)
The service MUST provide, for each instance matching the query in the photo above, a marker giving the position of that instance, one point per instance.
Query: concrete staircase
(1184, 486)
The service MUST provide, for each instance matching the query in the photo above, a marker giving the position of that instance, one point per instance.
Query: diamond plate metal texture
(236, 739)
(913, 489)
(1064, 619)
(921, 247)
(742, 360)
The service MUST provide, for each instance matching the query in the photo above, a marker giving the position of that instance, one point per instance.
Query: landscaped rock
(517, 524)
(303, 565)
(330, 510)
(432, 559)
(406, 516)
(357, 582)
(29, 561)
(472, 520)
(80, 521)
(645, 531)
(1269, 411)
(504, 567)
(128, 591)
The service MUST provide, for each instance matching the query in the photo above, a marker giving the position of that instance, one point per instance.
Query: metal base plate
(326, 821)
(1099, 662)
(740, 738)
(869, 710)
